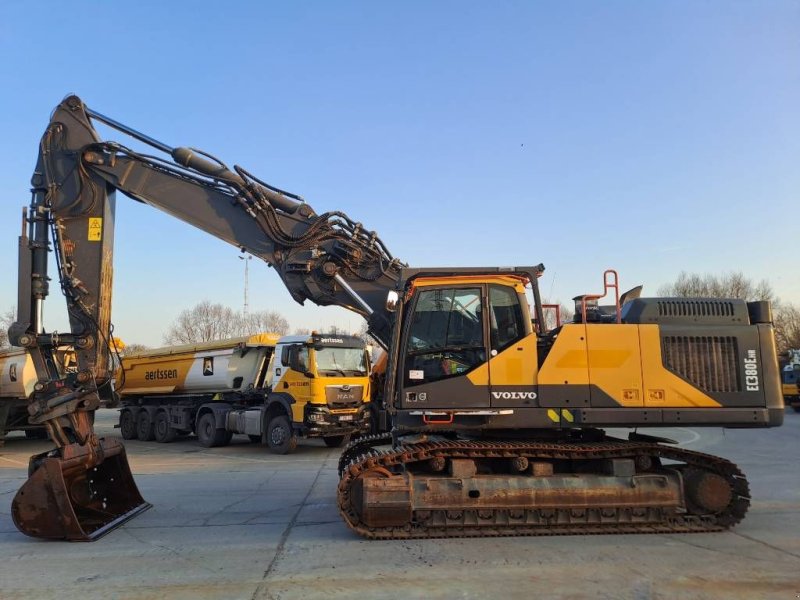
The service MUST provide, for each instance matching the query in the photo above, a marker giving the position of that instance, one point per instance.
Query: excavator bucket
(75, 497)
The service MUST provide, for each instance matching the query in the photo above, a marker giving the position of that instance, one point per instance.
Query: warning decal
(95, 229)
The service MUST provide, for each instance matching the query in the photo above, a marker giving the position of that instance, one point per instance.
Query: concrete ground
(237, 522)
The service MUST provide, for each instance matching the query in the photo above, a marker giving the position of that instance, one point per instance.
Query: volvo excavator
(498, 424)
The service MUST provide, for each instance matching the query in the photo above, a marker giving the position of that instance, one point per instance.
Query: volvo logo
(514, 395)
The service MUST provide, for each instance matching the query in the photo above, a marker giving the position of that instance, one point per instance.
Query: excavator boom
(326, 258)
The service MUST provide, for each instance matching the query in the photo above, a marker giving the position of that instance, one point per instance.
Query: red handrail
(606, 286)
(428, 421)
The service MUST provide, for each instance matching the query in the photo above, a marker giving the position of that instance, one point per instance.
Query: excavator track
(696, 479)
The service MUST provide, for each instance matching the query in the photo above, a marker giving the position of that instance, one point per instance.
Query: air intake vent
(710, 362)
(676, 311)
(695, 308)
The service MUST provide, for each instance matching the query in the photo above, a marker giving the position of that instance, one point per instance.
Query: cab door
(295, 381)
(445, 343)
(513, 365)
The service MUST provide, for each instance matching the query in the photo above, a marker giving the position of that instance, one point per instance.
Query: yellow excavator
(496, 424)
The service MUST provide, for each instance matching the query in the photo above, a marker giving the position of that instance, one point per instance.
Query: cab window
(445, 336)
(302, 359)
(341, 362)
(506, 326)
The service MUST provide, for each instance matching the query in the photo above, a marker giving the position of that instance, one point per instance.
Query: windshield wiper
(335, 372)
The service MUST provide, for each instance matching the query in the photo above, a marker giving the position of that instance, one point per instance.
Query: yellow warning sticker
(567, 415)
(95, 229)
(553, 416)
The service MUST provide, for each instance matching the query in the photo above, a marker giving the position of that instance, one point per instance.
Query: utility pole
(246, 260)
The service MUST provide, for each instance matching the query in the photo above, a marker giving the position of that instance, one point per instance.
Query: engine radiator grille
(344, 396)
(709, 362)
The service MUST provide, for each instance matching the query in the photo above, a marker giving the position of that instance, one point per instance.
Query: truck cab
(318, 386)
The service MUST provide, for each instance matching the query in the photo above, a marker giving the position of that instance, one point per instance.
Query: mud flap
(75, 498)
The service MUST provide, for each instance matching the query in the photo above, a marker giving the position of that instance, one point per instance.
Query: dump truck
(272, 389)
(17, 378)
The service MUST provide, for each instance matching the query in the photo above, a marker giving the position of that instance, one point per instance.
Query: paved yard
(237, 522)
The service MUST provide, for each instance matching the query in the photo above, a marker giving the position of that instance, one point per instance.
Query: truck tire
(280, 435)
(335, 441)
(127, 425)
(144, 426)
(163, 431)
(208, 433)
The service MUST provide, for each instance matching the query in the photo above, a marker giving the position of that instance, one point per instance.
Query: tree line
(206, 322)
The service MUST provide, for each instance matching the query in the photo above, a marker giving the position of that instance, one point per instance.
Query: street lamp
(246, 260)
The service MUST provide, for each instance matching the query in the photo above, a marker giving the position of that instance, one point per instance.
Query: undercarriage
(473, 488)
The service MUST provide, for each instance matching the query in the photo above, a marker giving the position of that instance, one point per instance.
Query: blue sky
(641, 136)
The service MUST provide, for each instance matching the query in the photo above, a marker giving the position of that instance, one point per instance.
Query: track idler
(77, 493)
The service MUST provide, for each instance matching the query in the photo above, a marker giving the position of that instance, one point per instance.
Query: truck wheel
(164, 432)
(144, 426)
(280, 435)
(209, 435)
(335, 441)
(127, 425)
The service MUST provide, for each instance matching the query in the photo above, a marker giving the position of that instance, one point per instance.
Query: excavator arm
(326, 258)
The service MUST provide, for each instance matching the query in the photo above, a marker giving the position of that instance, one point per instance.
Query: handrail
(606, 286)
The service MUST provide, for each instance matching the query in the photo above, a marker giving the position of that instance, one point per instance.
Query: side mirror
(392, 298)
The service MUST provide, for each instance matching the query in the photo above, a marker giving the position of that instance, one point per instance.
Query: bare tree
(787, 327)
(133, 349)
(203, 322)
(265, 320)
(302, 331)
(207, 322)
(729, 285)
(6, 319)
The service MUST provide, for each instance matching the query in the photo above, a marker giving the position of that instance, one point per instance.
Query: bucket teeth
(71, 495)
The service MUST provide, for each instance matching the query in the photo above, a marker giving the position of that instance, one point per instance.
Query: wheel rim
(277, 435)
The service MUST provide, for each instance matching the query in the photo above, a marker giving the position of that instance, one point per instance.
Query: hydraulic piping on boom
(497, 421)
